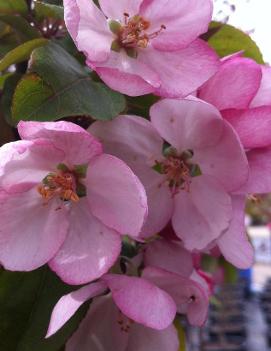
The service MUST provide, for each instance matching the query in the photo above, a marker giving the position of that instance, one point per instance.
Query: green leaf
(229, 40)
(230, 272)
(181, 335)
(7, 95)
(13, 6)
(141, 105)
(26, 303)
(43, 10)
(21, 53)
(22, 28)
(3, 79)
(60, 88)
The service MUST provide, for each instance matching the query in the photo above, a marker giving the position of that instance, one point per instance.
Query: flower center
(178, 169)
(124, 322)
(64, 184)
(132, 34)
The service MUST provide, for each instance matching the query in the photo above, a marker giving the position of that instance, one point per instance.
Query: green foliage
(228, 40)
(61, 87)
(13, 6)
(21, 53)
(181, 335)
(26, 303)
(141, 105)
(43, 10)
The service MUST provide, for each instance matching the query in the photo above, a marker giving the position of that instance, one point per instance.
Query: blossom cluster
(169, 187)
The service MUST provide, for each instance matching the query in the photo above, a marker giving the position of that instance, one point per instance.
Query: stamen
(124, 322)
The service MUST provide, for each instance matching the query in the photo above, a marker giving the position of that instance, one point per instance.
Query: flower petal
(184, 21)
(31, 233)
(181, 122)
(169, 255)
(115, 195)
(116, 9)
(234, 244)
(70, 303)
(201, 215)
(88, 28)
(263, 96)
(141, 301)
(181, 72)
(189, 296)
(234, 85)
(252, 125)
(79, 146)
(90, 249)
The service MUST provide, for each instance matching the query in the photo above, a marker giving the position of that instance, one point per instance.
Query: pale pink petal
(88, 28)
(189, 296)
(169, 255)
(147, 339)
(31, 233)
(259, 181)
(201, 215)
(25, 163)
(90, 249)
(116, 9)
(141, 301)
(184, 21)
(182, 122)
(252, 125)
(263, 96)
(181, 72)
(67, 306)
(115, 195)
(79, 146)
(218, 161)
(234, 244)
(100, 330)
(234, 85)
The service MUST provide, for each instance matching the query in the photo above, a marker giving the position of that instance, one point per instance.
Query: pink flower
(65, 202)
(191, 180)
(144, 46)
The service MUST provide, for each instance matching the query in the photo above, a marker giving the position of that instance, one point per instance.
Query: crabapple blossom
(189, 159)
(144, 46)
(65, 202)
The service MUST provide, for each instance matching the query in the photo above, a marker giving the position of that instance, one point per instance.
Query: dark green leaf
(43, 10)
(13, 6)
(7, 95)
(26, 303)
(21, 53)
(3, 79)
(229, 40)
(141, 105)
(64, 89)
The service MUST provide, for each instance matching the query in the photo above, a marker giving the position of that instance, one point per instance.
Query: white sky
(253, 15)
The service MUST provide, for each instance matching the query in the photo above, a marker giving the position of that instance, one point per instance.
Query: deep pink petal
(234, 85)
(147, 339)
(90, 249)
(31, 233)
(181, 122)
(100, 330)
(88, 28)
(116, 9)
(201, 215)
(181, 72)
(184, 21)
(26, 163)
(79, 146)
(234, 244)
(141, 301)
(189, 296)
(115, 195)
(259, 181)
(169, 255)
(219, 162)
(70, 303)
(252, 125)
(263, 96)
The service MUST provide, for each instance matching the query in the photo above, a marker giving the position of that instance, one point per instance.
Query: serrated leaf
(21, 53)
(26, 303)
(43, 10)
(69, 90)
(229, 40)
(13, 6)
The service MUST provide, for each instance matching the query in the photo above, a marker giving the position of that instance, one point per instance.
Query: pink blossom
(144, 46)
(65, 202)
(191, 181)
